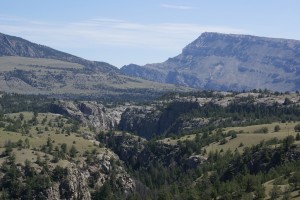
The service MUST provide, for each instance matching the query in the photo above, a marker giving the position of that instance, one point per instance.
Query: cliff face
(145, 121)
(164, 117)
(142, 121)
(229, 62)
(105, 168)
(90, 113)
(73, 186)
(67, 179)
(136, 152)
(155, 120)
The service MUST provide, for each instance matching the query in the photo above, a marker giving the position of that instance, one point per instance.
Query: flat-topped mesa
(221, 41)
(219, 61)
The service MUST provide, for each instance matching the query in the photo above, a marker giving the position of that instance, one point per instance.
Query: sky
(142, 31)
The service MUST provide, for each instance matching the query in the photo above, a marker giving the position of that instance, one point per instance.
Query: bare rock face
(53, 192)
(195, 160)
(141, 120)
(90, 113)
(81, 177)
(106, 167)
(75, 185)
(99, 116)
(161, 117)
(149, 121)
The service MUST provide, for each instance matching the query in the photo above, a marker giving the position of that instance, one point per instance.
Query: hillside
(15, 46)
(229, 62)
(48, 154)
(29, 68)
(202, 145)
(192, 145)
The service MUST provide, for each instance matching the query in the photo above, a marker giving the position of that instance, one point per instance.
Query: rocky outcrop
(195, 160)
(143, 121)
(148, 121)
(104, 167)
(90, 113)
(75, 184)
(138, 152)
(53, 192)
(163, 117)
(101, 116)
(75, 179)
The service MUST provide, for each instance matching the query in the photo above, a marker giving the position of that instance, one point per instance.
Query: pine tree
(275, 192)
(298, 136)
(73, 151)
(277, 128)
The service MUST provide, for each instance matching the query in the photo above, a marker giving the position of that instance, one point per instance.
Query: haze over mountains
(229, 62)
(30, 68)
(214, 61)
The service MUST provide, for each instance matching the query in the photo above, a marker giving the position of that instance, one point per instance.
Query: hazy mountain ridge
(229, 62)
(15, 46)
(30, 68)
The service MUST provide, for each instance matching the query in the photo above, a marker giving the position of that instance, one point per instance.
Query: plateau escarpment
(179, 114)
(229, 62)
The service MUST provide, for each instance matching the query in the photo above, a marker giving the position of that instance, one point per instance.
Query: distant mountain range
(30, 68)
(15, 46)
(229, 62)
(213, 61)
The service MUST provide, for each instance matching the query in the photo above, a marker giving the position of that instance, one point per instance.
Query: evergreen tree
(275, 192)
(298, 136)
(294, 181)
(259, 191)
(277, 128)
(73, 151)
(297, 128)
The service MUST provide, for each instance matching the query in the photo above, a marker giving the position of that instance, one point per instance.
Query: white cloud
(178, 7)
(100, 33)
(110, 32)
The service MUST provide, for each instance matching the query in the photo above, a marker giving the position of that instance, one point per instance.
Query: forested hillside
(203, 145)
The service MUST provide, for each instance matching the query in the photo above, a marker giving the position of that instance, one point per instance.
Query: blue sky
(142, 31)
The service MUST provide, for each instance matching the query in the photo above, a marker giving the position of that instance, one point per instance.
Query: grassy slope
(8, 63)
(283, 187)
(248, 137)
(36, 140)
(71, 82)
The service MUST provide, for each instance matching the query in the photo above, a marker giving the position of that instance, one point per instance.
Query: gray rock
(90, 113)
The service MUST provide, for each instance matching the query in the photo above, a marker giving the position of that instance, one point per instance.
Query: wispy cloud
(178, 7)
(101, 33)
(109, 31)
